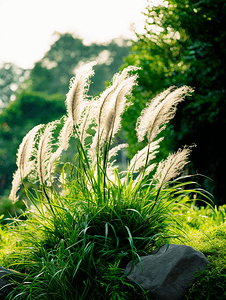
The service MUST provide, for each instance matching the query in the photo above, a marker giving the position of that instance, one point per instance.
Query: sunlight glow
(27, 26)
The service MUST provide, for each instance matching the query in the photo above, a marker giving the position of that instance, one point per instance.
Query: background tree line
(183, 43)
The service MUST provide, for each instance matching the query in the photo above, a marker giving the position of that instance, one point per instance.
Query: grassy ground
(206, 229)
(210, 284)
(206, 232)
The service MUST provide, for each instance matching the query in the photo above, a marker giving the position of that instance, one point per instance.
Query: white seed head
(24, 163)
(65, 134)
(75, 96)
(171, 167)
(159, 112)
(45, 151)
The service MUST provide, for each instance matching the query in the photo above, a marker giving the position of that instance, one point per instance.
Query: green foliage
(110, 282)
(201, 217)
(206, 232)
(113, 285)
(30, 106)
(9, 211)
(209, 284)
(182, 44)
(210, 240)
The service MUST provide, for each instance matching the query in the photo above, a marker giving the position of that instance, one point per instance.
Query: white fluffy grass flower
(45, 151)
(112, 104)
(123, 90)
(89, 117)
(107, 99)
(75, 96)
(171, 167)
(63, 144)
(113, 98)
(65, 133)
(111, 165)
(159, 112)
(24, 162)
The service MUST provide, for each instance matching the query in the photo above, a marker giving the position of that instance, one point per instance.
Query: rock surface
(5, 289)
(167, 272)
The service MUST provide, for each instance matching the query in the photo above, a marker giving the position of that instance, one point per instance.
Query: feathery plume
(112, 118)
(110, 172)
(149, 169)
(25, 151)
(62, 178)
(54, 158)
(124, 90)
(45, 151)
(63, 144)
(107, 96)
(107, 110)
(171, 167)
(111, 165)
(15, 186)
(74, 100)
(146, 172)
(104, 103)
(159, 112)
(90, 114)
(120, 77)
(24, 164)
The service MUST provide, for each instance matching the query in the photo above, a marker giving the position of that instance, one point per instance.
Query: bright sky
(26, 26)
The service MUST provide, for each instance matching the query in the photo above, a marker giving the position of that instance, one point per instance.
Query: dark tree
(184, 43)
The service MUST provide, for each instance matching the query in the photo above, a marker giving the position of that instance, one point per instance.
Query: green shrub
(90, 218)
(211, 283)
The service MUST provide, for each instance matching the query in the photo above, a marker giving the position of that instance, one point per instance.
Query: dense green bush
(89, 218)
(183, 44)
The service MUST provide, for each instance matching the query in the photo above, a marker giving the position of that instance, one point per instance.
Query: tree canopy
(11, 77)
(184, 43)
(53, 72)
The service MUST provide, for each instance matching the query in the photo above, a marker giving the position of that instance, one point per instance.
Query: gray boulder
(5, 288)
(167, 272)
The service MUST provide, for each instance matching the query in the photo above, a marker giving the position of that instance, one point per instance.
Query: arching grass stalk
(84, 167)
(47, 198)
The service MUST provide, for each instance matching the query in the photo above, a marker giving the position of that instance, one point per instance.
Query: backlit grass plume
(24, 161)
(89, 216)
(159, 112)
(76, 94)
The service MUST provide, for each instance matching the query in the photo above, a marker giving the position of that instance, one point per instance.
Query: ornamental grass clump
(87, 216)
